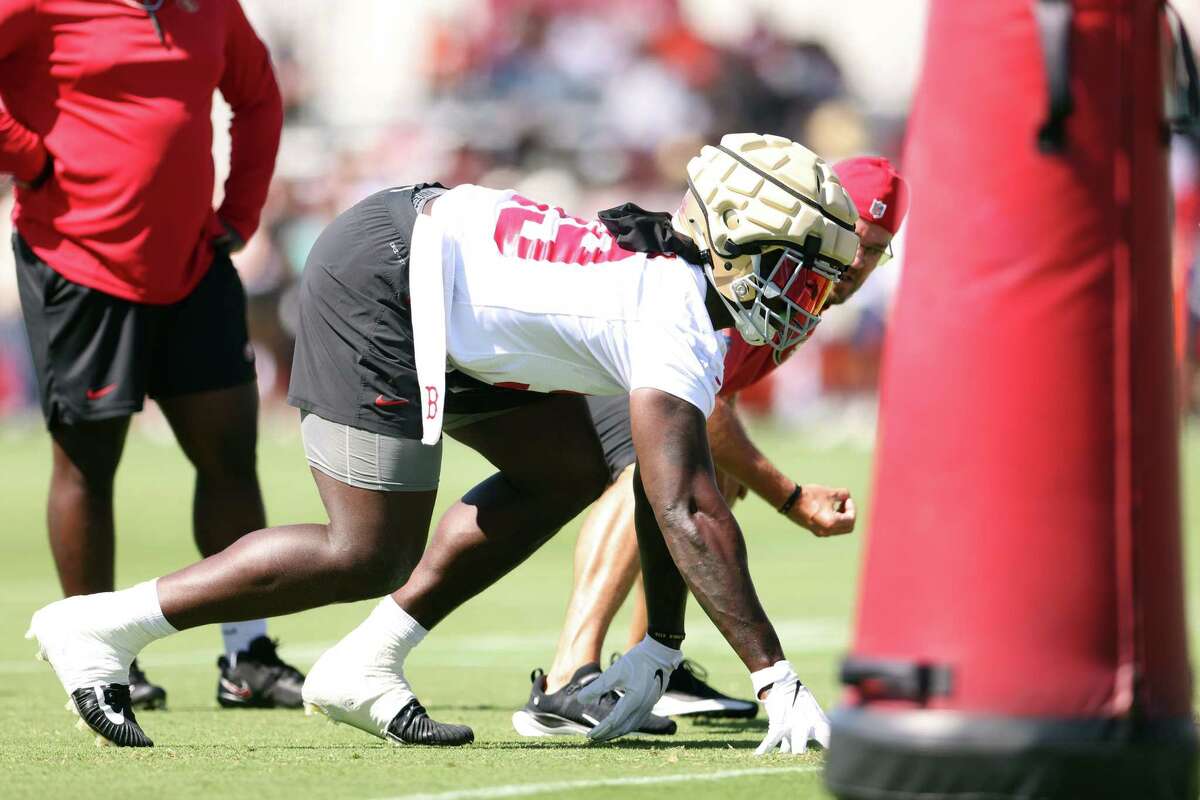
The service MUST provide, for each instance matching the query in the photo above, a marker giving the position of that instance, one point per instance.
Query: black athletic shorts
(610, 416)
(97, 356)
(354, 360)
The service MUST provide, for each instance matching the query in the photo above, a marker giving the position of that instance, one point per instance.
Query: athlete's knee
(369, 569)
(226, 459)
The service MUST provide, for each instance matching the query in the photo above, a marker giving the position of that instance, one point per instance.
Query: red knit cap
(878, 191)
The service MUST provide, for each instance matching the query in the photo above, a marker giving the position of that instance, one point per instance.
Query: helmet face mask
(776, 230)
(782, 299)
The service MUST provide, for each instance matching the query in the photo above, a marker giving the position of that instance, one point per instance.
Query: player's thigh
(379, 492)
(546, 447)
(218, 429)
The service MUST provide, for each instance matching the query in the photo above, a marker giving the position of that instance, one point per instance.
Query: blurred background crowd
(585, 104)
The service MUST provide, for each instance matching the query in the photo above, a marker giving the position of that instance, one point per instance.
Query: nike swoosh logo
(385, 402)
(658, 676)
(103, 391)
(242, 690)
(115, 717)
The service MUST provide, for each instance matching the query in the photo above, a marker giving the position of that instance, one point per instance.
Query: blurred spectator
(588, 103)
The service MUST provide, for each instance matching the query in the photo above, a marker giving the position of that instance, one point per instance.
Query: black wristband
(672, 640)
(791, 501)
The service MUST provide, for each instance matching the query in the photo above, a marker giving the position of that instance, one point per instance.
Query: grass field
(473, 669)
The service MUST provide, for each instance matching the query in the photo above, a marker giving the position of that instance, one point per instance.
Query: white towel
(431, 287)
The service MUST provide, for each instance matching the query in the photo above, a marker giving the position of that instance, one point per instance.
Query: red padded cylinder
(1025, 535)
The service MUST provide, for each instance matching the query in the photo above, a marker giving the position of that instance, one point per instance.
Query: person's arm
(824, 511)
(687, 539)
(248, 84)
(22, 153)
(700, 534)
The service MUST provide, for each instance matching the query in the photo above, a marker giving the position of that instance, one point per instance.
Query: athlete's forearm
(736, 455)
(699, 532)
(664, 587)
(707, 547)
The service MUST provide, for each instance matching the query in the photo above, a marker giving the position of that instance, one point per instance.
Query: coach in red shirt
(123, 267)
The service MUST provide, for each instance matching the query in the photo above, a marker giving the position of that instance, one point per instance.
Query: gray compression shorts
(375, 460)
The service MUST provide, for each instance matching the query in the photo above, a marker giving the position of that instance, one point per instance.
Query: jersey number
(538, 232)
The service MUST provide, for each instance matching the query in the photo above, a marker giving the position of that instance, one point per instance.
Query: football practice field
(473, 669)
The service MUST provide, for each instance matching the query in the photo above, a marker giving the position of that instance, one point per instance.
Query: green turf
(473, 669)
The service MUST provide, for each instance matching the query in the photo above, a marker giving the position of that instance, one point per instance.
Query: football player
(606, 557)
(529, 307)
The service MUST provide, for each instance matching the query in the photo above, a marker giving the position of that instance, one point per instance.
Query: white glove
(793, 716)
(641, 677)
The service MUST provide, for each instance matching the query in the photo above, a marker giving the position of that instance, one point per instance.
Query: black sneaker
(563, 714)
(108, 712)
(143, 694)
(259, 679)
(412, 725)
(688, 695)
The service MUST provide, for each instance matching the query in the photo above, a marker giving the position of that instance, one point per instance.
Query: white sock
(390, 631)
(138, 606)
(238, 636)
(92, 639)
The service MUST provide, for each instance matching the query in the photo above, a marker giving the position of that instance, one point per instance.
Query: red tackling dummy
(1021, 629)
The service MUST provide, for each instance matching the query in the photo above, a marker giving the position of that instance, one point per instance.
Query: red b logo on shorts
(431, 402)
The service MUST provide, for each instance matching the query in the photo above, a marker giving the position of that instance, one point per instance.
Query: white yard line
(526, 789)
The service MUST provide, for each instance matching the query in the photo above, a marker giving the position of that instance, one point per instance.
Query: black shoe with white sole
(689, 695)
(108, 712)
(259, 678)
(143, 694)
(562, 713)
(412, 725)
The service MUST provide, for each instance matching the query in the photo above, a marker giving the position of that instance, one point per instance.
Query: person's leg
(79, 513)
(369, 546)
(551, 467)
(218, 431)
(606, 564)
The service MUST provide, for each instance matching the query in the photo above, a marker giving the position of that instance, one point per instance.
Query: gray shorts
(375, 460)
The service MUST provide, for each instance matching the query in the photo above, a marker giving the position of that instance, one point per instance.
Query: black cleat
(563, 714)
(107, 711)
(688, 695)
(143, 694)
(259, 679)
(412, 725)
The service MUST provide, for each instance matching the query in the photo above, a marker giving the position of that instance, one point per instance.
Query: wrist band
(791, 501)
(767, 676)
(668, 639)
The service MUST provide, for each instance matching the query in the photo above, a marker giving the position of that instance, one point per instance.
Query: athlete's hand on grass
(824, 511)
(793, 716)
(641, 675)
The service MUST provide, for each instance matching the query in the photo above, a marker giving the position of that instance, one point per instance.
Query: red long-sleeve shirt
(127, 120)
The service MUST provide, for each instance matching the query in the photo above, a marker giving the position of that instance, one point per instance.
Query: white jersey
(550, 303)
